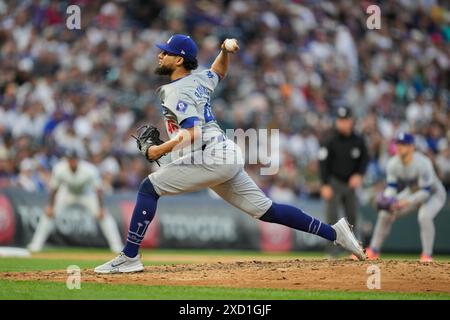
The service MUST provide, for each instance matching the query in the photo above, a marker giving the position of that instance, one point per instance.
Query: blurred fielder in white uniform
(412, 184)
(75, 181)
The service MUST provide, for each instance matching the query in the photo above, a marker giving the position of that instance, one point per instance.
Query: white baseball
(230, 44)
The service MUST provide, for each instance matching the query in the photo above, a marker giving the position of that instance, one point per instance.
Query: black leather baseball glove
(147, 136)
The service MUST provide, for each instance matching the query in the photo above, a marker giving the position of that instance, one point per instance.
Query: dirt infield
(347, 275)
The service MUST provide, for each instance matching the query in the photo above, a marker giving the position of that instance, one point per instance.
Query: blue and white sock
(143, 214)
(295, 218)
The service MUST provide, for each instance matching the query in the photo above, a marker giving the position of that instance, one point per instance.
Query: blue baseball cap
(404, 138)
(180, 45)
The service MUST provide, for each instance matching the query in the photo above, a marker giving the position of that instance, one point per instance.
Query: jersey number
(208, 114)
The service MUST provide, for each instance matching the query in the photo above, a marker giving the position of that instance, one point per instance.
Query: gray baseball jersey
(418, 178)
(418, 183)
(187, 102)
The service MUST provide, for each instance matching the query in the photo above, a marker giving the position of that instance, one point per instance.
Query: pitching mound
(347, 275)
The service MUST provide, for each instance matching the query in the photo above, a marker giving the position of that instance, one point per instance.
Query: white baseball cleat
(346, 239)
(121, 264)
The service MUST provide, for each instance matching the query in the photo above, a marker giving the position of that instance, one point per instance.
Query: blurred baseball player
(411, 183)
(187, 111)
(76, 181)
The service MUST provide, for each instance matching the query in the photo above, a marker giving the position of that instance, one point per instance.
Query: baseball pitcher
(211, 161)
(75, 181)
(411, 184)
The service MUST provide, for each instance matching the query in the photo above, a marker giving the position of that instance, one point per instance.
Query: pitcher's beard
(163, 71)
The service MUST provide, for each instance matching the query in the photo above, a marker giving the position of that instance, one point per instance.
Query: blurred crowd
(88, 89)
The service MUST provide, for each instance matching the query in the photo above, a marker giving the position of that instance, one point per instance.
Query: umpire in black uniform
(343, 161)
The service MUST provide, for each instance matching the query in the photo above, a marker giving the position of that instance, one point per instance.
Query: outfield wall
(194, 221)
